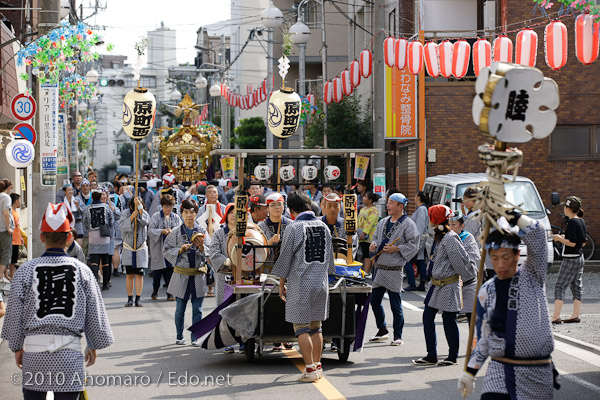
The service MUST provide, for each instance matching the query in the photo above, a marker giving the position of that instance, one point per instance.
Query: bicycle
(588, 248)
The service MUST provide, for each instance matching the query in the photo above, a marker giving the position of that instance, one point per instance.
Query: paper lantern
(527, 44)
(284, 113)
(255, 98)
(400, 48)
(586, 38)
(19, 153)
(503, 49)
(415, 57)
(263, 94)
(338, 94)
(248, 89)
(223, 89)
(328, 92)
(309, 172)
(346, 83)
(445, 54)
(250, 100)
(432, 62)
(461, 52)
(388, 51)
(243, 103)
(482, 55)
(262, 172)
(355, 73)
(287, 172)
(139, 109)
(313, 102)
(332, 172)
(366, 63)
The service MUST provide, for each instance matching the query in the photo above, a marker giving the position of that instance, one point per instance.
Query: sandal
(424, 361)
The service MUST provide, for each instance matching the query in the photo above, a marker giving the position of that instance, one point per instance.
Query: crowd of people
(180, 234)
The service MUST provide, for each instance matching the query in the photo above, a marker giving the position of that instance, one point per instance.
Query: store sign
(400, 104)
(62, 162)
(379, 184)
(48, 115)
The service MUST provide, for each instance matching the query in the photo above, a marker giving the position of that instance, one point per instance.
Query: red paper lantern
(445, 52)
(338, 93)
(248, 89)
(586, 38)
(415, 57)
(432, 62)
(400, 48)
(388, 51)
(255, 98)
(355, 73)
(223, 89)
(328, 92)
(263, 86)
(313, 102)
(366, 63)
(346, 83)
(482, 55)
(461, 52)
(527, 43)
(503, 49)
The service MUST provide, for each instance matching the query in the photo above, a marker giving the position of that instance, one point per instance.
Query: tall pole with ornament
(139, 110)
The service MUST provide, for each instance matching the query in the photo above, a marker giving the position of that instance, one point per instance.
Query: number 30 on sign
(23, 107)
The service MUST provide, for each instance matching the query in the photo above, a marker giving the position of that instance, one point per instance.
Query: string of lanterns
(344, 84)
(452, 59)
(251, 99)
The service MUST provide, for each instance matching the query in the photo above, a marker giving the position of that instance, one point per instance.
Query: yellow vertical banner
(350, 217)
(360, 167)
(228, 167)
(400, 104)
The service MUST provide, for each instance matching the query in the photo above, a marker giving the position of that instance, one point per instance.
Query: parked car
(448, 189)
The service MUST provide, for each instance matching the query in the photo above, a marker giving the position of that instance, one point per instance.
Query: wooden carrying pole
(135, 191)
(279, 185)
(349, 259)
(237, 272)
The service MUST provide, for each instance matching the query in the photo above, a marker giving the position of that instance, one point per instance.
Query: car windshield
(523, 194)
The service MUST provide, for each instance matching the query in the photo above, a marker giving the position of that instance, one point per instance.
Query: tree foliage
(126, 154)
(251, 134)
(348, 125)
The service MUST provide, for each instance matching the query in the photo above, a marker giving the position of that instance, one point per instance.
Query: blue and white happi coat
(158, 222)
(55, 294)
(306, 261)
(137, 257)
(193, 258)
(528, 333)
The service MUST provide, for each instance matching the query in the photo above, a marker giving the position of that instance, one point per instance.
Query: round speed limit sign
(23, 107)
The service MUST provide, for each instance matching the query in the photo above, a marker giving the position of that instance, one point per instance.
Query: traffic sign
(23, 107)
(27, 131)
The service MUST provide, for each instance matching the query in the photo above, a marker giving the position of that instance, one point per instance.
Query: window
(392, 23)
(145, 81)
(312, 14)
(575, 142)
(521, 193)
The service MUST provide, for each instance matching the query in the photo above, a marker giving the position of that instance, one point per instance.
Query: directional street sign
(27, 131)
(23, 107)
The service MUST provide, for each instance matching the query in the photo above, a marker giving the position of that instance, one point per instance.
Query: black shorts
(137, 271)
(97, 258)
(15, 254)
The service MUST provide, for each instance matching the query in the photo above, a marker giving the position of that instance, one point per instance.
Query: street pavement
(144, 362)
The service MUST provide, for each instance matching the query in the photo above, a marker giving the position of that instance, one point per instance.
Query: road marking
(579, 381)
(410, 306)
(576, 352)
(581, 342)
(323, 385)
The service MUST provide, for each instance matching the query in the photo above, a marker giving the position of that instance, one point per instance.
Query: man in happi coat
(54, 300)
(513, 325)
(168, 188)
(304, 266)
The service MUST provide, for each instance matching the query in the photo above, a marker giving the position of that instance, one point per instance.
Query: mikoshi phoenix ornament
(513, 103)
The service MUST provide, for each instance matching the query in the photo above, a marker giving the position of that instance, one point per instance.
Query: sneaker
(319, 369)
(411, 288)
(4, 280)
(446, 361)
(381, 335)
(424, 361)
(180, 342)
(171, 298)
(334, 348)
(154, 296)
(309, 375)
(277, 348)
(397, 342)
(196, 343)
(462, 318)
(242, 348)
(229, 350)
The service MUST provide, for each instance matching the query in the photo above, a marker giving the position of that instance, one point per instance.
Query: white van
(445, 189)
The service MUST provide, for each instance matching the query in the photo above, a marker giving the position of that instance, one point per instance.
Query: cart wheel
(250, 350)
(344, 353)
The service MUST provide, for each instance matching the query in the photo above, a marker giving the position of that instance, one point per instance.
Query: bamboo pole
(240, 239)
(135, 191)
(349, 260)
(279, 185)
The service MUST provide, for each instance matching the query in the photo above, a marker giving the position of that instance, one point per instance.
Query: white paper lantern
(400, 47)
(432, 62)
(284, 113)
(366, 63)
(415, 57)
(555, 39)
(461, 52)
(503, 49)
(20, 153)
(287, 173)
(346, 83)
(332, 172)
(139, 110)
(262, 172)
(586, 38)
(526, 51)
(328, 92)
(338, 93)
(482, 55)
(309, 172)
(445, 52)
(355, 76)
(388, 51)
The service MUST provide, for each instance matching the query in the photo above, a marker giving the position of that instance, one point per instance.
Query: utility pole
(225, 120)
(324, 70)
(49, 19)
(378, 87)
(302, 79)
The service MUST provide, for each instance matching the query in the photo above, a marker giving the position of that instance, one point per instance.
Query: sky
(127, 20)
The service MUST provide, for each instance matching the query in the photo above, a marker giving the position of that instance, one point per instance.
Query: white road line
(576, 352)
(579, 381)
(597, 348)
(411, 307)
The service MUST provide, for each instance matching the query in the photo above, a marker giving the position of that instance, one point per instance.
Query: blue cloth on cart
(352, 271)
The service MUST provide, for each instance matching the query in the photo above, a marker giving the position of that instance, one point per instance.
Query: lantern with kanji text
(284, 112)
(139, 109)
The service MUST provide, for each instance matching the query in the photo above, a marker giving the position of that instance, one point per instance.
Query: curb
(577, 343)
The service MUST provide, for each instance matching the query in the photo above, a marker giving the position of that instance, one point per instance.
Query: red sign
(23, 107)
(27, 131)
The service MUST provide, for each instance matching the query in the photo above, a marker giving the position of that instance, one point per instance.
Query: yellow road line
(323, 385)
